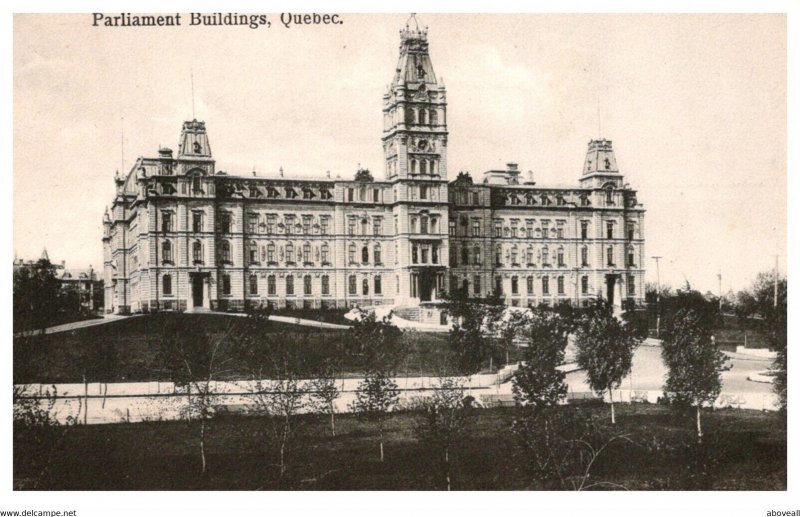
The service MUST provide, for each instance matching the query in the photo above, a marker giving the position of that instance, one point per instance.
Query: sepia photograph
(535, 253)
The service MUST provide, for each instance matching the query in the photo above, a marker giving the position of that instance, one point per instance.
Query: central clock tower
(415, 114)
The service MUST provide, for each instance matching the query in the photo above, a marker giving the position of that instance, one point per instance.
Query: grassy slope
(127, 350)
(163, 455)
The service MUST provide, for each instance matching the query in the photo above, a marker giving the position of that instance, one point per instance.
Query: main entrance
(611, 282)
(197, 290)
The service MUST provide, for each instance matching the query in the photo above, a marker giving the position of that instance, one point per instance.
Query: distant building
(182, 235)
(86, 283)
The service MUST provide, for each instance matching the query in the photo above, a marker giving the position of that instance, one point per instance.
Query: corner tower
(415, 113)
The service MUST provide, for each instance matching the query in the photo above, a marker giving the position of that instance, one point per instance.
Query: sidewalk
(108, 318)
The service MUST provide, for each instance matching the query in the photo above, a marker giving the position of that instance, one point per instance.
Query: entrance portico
(199, 298)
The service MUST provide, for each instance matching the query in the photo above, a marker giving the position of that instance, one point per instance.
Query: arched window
(166, 283)
(365, 287)
(290, 253)
(560, 284)
(306, 253)
(631, 257)
(561, 257)
(225, 251)
(421, 115)
(166, 251)
(498, 255)
(197, 252)
(610, 255)
(325, 252)
(351, 253)
(376, 254)
(584, 256)
(545, 256)
(413, 166)
(364, 255)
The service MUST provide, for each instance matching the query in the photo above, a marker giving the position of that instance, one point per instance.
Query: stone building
(182, 235)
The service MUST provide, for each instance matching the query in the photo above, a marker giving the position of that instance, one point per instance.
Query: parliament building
(182, 235)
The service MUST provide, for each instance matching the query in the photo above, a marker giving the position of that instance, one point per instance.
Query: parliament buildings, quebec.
(181, 235)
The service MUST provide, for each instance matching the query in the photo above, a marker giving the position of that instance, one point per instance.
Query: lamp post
(658, 297)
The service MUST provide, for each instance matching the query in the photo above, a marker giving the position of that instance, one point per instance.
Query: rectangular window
(166, 221)
(584, 256)
(197, 221)
(423, 225)
(378, 288)
(498, 228)
(306, 224)
(560, 283)
(610, 256)
(424, 255)
(529, 228)
(253, 284)
(631, 261)
(545, 285)
(631, 234)
(225, 222)
(476, 285)
(376, 195)
(351, 226)
(545, 229)
(631, 285)
(584, 285)
(452, 228)
(272, 221)
(514, 285)
(514, 223)
(423, 192)
(326, 285)
(609, 229)
(252, 224)
(350, 194)
(167, 284)
(290, 285)
(323, 225)
(226, 284)
(307, 285)
(584, 230)
(530, 285)
(376, 226)
(271, 286)
(560, 232)
(351, 285)
(498, 284)
(476, 200)
(476, 227)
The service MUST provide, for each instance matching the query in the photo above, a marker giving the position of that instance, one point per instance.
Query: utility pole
(658, 297)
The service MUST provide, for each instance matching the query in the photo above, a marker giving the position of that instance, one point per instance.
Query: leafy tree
(376, 395)
(276, 367)
(475, 324)
(561, 446)
(443, 421)
(693, 361)
(538, 382)
(379, 343)
(37, 296)
(193, 357)
(605, 350)
(324, 392)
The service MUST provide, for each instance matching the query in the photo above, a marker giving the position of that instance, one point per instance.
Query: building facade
(182, 235)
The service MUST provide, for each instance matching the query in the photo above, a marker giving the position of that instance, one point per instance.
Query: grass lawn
(126, 350)
(744, 450)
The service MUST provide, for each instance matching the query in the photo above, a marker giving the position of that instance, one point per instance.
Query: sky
(695, 106)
